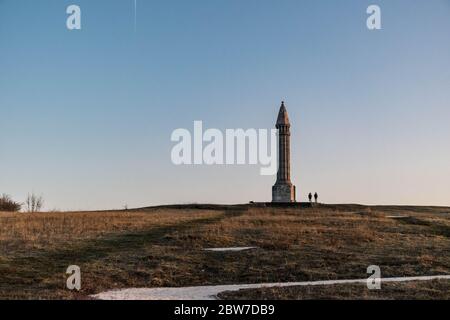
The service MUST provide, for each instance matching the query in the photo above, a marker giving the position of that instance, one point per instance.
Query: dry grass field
(163, 247)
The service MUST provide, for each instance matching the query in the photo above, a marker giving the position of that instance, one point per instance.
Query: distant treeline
(33, 203)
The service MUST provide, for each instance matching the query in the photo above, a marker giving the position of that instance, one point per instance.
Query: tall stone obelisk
(283, 190)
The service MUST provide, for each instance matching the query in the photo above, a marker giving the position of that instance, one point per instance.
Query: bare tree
(34, 203)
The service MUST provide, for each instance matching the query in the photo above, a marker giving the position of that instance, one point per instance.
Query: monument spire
(283, 118)
(283, 190)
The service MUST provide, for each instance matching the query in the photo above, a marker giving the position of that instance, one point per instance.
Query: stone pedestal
(283, 193)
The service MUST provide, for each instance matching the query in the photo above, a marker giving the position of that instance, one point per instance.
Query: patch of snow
(233, 249)
(211, 292)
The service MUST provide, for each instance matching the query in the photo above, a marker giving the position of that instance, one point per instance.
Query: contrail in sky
(135, 15)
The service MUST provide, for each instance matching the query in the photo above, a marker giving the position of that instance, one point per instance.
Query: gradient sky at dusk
(86, 116)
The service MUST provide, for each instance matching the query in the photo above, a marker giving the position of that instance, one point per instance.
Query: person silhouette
(310, 197)
(316, 197)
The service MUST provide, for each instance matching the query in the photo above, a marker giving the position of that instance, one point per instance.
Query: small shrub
(7, 204)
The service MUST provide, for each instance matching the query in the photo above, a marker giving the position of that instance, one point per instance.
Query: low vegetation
(161, 247)
(427, 290)
(7, 204)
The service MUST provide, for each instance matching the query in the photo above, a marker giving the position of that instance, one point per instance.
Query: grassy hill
(163, 246)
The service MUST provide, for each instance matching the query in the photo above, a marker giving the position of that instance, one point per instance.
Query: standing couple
(316, 197)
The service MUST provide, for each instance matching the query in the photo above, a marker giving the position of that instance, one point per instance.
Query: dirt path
(211, 292)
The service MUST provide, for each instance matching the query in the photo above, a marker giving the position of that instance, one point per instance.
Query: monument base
(283, 193)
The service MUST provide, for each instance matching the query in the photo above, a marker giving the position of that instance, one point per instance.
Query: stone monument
(283, 191)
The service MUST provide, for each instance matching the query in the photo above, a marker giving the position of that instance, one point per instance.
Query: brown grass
(25, 231)
(427, 290)
(163, 247)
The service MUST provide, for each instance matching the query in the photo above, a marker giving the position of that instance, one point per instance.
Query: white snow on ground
(232, 249)
(211, 292)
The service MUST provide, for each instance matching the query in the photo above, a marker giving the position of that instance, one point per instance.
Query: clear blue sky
(86, 116)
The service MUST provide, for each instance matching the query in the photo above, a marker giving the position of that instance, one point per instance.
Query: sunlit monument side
(283, 191)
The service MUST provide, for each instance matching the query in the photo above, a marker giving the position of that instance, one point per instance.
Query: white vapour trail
(135, 15)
